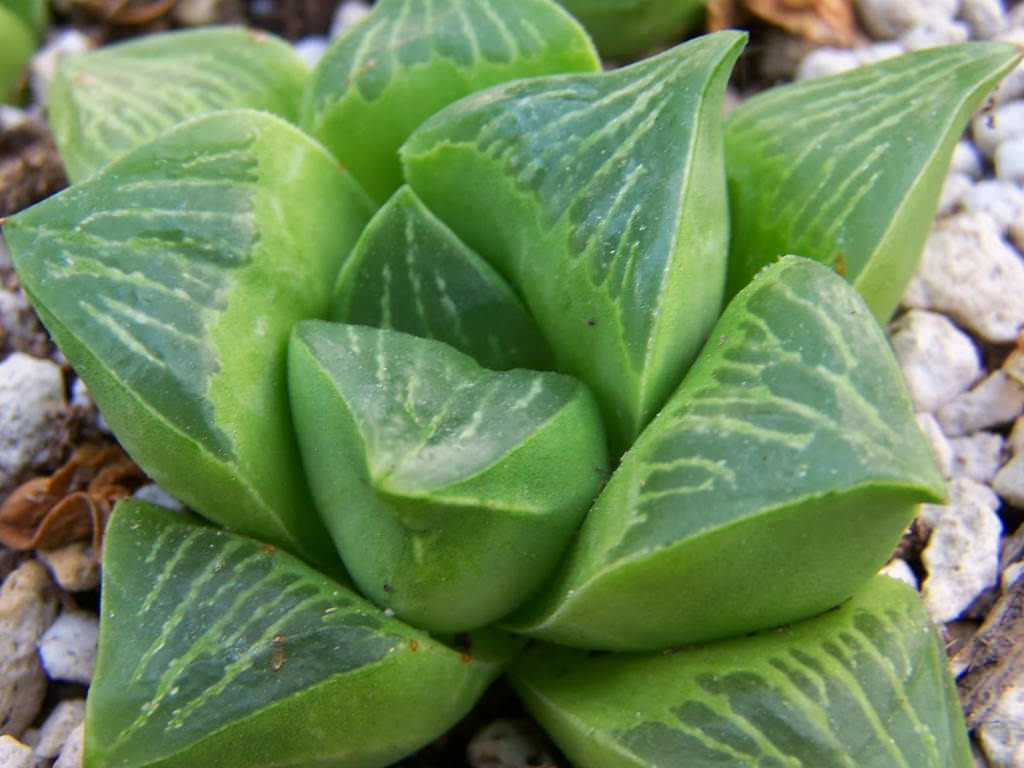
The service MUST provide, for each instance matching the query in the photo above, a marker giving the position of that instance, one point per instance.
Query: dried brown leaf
(823, 22)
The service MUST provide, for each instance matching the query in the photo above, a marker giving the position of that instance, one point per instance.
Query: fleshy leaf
(216, 650)
(409, 272)
(776, 480)
(109, 101)
(171, 281)
(17, 42)
(451, 491)
(863, 685)
(847, 169)
(625, 28)
(408, 58)
(602, 198)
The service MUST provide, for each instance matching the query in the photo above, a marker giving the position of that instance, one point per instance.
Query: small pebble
(826, 61)
(1000, 199)
(997, 400)
(28, 604)
(14, 754)
(1009, 481)
(310, 49)
(31, 395)
(74, 567)
(74, 746)
(954, 188)
(1009, 161)
(986, 18)
(347, 14)
(1002, 733)
(154, 494)
(67, 649)
(970, 273)
(45, 62)
(938, 360)
(966, 160)
(941, 31)
(992, 127)
(60, 723)
(509, 743)
(962, 553)
(888, 19)
(977, 456)
(899, 569)
(941, 448)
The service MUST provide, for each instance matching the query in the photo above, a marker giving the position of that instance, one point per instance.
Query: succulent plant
(433, 341)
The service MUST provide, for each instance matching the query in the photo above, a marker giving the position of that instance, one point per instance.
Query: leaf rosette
(434, 335)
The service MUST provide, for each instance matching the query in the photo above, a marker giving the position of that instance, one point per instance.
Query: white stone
(986, 18)
(1009, 161)
(31, 396)
(57, 727)
(1011, 87)
(508, 743)
(154, 494)
(826, 61)
(977, 456)
(997, 400)
(20, 327)
(310, 49)
(970, 273)
(347, 14)
(1002, 733)
(74, 567)
(899, 569)
(68, 648)
(14, 754)
(28, 603)
(954, 188)
(1000, 199)
(1010, 574)
(941, 31)
(962, 553)
(966, 160)
(888, 19)
(938, 360)
(991, 127)
(941, 448)
(44, 64)
(74, 746)
(875, 52)
(1009, 481)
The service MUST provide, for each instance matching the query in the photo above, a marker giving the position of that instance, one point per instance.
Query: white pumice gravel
(67, 649)
(348, 13)
(1000, 199)
(888, 19)
(978, 456)
(31, 397)
(74, 746)
(59, 724)
(996, 400)
(901, 571)
(14, 754)
(941, 448)
(992, 127)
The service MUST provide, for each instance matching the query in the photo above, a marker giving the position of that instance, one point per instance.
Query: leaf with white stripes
(106, 102)
(601, 197)
(171, 281)
(406, 59)
(409, 272)
(451, 491)
(776, 480)
(847, 169)
(217, 650)
(863, 685)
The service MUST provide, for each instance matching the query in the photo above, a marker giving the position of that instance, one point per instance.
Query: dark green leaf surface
(34, 14)
(864, 685)
(409, 272)
(216, 650)
(627, 28)
(104, 103)
(451, 491)
(602, 198)
(171, 281)
(17, 41)
(847, 169)
(408, 58)
(776, 480)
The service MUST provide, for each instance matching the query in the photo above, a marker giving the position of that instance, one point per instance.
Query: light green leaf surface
(864, 685)
(409, 272)
(408, 58)
(451, 491)
(104, 103)
(847, 169)
(171, 281)
(215, 650)
(777, 479)
(17, 42)
(602, 198)
(626, 28)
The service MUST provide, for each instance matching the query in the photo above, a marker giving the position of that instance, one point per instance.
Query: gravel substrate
(958, 338)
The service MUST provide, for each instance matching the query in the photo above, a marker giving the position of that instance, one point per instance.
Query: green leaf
(409, 272)
(626, 28)
(451, 491)
(17, 43)
(864, 685)
(847, 169)
(34, 14)
(408, 58)
(776, 480)
(216, 650)
(171, 281)
(602, 198)
(109, 101)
